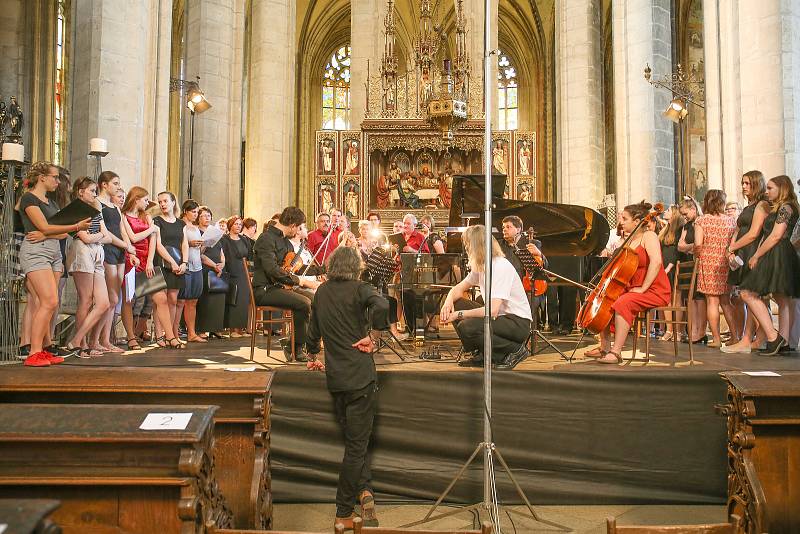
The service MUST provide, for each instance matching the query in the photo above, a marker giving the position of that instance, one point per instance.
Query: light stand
(196, 103)
(191, 156)
(490, 450)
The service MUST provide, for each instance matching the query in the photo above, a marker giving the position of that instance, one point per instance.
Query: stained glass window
(507, 89)
(59, 126)
(336, 91)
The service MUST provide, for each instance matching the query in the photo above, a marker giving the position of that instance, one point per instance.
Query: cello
(596, 312)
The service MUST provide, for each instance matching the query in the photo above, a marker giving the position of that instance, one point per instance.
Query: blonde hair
(786, 194)
(40, 168)
(474, 245)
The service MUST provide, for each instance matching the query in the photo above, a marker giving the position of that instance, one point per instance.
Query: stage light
(196, 100)
(676, 111)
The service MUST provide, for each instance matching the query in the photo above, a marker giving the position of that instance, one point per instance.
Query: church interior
(384, 120)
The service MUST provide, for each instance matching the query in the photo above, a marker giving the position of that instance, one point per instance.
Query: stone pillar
(214, 52)
(12, 50)
(579, 86)
(366, 41)
(713, 103)
(269, 178)
(119, 86)
(644, 139)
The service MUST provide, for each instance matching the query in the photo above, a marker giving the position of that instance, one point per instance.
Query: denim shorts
(45, 255)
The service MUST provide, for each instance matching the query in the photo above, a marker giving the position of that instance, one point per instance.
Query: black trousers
(508, 331)
(300, 306)
(355, 411)
(561, 308)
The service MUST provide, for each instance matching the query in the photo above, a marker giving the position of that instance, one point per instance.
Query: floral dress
(712, 261)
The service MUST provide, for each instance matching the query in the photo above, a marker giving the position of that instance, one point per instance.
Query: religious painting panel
(501, 162)
(409, 179)
(326, 193)
(326, 153)
(697, 164)
(525, 189)
(350, 153)
(351, 198)
(525, 154)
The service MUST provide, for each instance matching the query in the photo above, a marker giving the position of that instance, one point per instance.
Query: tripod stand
(380, 268)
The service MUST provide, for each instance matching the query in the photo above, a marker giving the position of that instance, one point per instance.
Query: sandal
(197, 339)
(617, 358)
(83, 354)
(596, 352)
(133, 344)
(161, 341)
(667, 336)
(176, 340)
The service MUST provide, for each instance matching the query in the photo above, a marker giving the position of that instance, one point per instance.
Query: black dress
(172, 239)
(743, 224)
(113, 255)
(776, 271)
(211, 306)
(236, 312)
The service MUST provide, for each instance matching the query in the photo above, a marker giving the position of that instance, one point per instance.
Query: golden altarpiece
(421, 128)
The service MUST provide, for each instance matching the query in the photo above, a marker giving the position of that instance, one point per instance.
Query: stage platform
(572, 433)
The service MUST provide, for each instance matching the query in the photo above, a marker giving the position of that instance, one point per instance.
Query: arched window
(336, 91)
(59, 97)
(507, 89)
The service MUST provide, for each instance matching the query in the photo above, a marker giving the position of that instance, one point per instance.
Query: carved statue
(15, 117)
(3, 118)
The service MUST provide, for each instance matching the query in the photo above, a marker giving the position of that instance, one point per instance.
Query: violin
(538, 287)
(596, 312)
(293, 261)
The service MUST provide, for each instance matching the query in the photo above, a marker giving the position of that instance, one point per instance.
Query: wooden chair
(262, 316)
(716, 528)
(685, 279)
(358, 528)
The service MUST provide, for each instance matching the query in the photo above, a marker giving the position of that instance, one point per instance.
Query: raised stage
(572, 433)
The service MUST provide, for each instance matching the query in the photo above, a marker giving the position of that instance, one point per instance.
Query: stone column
(366, 41)
(214, 52)
(269, 178)
(119, 86)
(713, 104)
(579, 86)
(644, 139)
(12, 51)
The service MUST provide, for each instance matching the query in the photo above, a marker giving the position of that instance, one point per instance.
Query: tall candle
(13, 152)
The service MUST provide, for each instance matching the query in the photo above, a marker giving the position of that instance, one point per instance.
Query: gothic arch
(325, 28)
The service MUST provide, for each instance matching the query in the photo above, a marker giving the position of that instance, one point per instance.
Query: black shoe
(702, 340)
(511, 361)
(61, 351)
(299, 354)
(24, 351)
(475, 361)
(786, 348)
(773, 347)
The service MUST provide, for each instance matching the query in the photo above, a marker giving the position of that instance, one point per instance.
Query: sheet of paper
(130, 285)
(247, 369)
(761, 373)
(211, 236)
(3, 528)
(166, 421)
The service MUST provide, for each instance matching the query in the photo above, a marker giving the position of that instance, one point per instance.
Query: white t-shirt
(506, 286)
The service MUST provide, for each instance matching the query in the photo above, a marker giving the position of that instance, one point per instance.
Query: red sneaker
(38, 359)
(52, 358)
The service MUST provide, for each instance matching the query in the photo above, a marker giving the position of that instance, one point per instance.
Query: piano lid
(563, 229)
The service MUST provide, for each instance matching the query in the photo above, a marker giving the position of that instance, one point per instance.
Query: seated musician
(415, 241)
(432, 239)
(318, 242)
(514, 239)
(649, 287)
(511, 313)
(415, 244)
(270, 280)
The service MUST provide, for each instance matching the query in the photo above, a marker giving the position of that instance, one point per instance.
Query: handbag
(217, 283)
(146, 286)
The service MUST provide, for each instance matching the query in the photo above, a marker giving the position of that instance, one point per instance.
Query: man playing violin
(270, 279)
(648, 287)
(301, 261)
(515, 239)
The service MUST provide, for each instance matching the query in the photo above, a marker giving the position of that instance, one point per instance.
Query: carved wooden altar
(402, 166)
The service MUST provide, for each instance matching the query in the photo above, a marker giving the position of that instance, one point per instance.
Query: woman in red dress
(649, 287)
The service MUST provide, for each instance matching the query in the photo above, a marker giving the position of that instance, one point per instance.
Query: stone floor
(579, 519)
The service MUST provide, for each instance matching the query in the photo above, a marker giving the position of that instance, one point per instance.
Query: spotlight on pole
(676, 111)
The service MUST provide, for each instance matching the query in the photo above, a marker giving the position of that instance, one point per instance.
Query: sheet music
(211, 236)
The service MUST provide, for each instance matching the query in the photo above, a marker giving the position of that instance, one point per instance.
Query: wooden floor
(235, 353)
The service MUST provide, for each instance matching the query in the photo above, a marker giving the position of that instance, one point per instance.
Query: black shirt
(341, 315)
(511, 256)
(268, 253)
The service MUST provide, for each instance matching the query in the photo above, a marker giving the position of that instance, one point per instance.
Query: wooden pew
(763, 415)
(109, 475)
(28, 516)
(241, 429)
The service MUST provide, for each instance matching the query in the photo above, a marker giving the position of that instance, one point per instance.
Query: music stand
(533, 268)
(381, 268)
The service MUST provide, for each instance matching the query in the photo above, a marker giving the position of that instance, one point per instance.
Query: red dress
(142, 247)
(630, 304)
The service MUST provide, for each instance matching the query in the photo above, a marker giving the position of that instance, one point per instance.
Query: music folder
(397, 239)
(74, 212)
